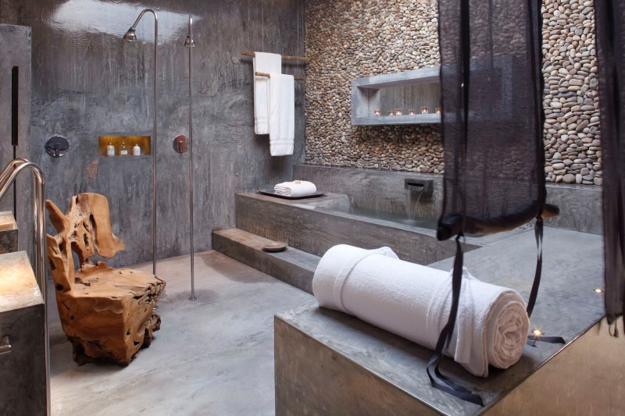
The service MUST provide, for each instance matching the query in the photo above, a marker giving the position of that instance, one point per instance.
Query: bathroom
(228, 339)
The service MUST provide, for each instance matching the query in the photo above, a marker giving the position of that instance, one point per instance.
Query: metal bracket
(181, 144)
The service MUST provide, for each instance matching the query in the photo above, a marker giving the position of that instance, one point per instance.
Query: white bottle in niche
(110, 150)
(136, 150)
(123, 150)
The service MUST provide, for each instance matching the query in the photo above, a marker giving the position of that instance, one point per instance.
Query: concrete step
(8, 233)
(293, 266)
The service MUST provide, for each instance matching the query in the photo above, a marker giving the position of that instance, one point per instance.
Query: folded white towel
(281, 114)
(413, 301)
(267, 63)
(295, 188)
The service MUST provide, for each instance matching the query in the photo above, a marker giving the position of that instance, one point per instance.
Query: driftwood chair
(107, 314)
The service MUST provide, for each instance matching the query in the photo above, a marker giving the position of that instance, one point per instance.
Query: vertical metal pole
(131, 36)
(15, 108)
(39, 216)
(154, 145)
(190, 44)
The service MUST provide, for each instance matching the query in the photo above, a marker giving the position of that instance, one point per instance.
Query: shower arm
(143, 12)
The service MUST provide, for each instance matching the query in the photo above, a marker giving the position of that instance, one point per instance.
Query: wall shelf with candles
(411, 97)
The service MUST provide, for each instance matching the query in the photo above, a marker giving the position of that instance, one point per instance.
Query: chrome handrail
(7, 177)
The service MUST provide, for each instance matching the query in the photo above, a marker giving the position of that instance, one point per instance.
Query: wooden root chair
(107, 314)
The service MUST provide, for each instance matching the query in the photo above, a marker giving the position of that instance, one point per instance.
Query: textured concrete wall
(87, 82)
(347, 39)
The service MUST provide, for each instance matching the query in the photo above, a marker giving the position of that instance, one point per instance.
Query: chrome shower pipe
(190, 44)
(7, 177)
(131, 36)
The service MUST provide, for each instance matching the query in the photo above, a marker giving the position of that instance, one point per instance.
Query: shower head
(131, 35)
(189, 42)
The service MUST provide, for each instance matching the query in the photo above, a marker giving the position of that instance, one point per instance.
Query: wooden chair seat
(108, 314)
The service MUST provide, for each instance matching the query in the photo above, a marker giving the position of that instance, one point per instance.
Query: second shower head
(131, 35)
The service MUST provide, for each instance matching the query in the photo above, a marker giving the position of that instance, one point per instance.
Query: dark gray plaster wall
(87, 82)
(15, 50)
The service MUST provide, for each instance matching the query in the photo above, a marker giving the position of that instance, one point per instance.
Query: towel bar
(304, 60)
(266, 75)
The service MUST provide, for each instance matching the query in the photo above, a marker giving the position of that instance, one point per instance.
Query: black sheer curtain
(492, 125)
(492, 84)
(610, 29)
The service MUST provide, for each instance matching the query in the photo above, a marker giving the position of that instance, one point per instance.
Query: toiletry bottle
(136, 150)
(110, 150)
(123, 150)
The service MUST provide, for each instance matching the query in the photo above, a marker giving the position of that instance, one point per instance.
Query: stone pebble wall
(572, 142)
(347, 39)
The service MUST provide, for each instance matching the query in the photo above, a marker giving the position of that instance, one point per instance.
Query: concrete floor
(211, 357)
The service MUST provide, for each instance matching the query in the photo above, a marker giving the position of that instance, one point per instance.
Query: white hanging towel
(413, 301)
(281, 114)
(267, 63)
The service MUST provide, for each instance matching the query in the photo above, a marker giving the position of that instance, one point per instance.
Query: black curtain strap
(533, 339)
(437, 379)
(538, 234)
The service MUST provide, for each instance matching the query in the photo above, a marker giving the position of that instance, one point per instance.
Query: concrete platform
(329, 363)
(315, 225)
(22, 365)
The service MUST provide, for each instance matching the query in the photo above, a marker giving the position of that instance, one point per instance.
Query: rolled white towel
(295, 188)
(413, 301)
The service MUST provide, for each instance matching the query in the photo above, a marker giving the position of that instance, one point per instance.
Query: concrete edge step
(8, 233)
(293, 266)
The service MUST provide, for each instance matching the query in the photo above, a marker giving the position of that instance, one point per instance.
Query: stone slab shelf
(411, 97)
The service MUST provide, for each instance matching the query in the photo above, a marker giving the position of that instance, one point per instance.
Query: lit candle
(537, 332)
(425, 110)
(398, 112)
(377, 113)
(438, 110)
(598, 290)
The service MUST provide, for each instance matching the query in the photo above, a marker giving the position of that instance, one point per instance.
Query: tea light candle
(438, 110)
(398, 112)
(377, 113)
(425, 110)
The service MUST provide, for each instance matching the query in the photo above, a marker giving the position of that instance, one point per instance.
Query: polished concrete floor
(213, 356)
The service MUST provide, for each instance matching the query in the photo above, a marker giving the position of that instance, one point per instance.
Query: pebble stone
(347, 39)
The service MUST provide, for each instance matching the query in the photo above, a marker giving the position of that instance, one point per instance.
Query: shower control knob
(181, 144)
(56, 146)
